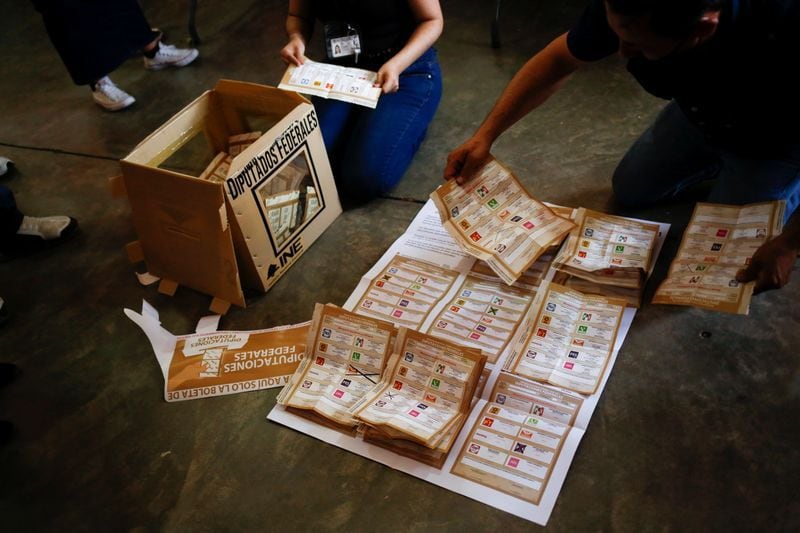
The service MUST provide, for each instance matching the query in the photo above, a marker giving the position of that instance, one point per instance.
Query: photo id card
(342, 40)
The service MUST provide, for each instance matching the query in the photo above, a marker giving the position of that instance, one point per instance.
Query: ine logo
(289, 254)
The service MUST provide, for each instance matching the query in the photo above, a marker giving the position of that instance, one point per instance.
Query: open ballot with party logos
(409, 391)
(218, 205)
(347, 355)
(474, 308)
(493, 218)
(423, 399)
(515, 441)
(608, 255)
(353, 85)
(718, 242)
(567, 338)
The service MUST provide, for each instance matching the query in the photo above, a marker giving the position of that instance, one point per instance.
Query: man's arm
(771, 266)
(540, 77)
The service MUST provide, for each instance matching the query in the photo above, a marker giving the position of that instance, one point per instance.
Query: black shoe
(6, 431)
(8, 371)
(22, 245)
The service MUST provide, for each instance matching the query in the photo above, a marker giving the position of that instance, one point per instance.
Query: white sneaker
(170, 56)
(46, 228)
(109, 96)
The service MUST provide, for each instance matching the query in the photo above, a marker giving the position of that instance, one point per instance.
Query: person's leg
(10, 216)
(94, 38)
(334, 117)
(670, 156)
(383, 141)
(745, 180)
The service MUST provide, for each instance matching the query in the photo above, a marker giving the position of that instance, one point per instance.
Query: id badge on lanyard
(342, 40)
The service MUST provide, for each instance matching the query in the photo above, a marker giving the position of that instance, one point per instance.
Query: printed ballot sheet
(518, 440)
(718, 242)
(609, 255)
(426, 390)
(608, 249)
(493, 218)
(519, 433)
(485, 312)
(567, 338)
(406, 291)
(346, 357)
(353, 85)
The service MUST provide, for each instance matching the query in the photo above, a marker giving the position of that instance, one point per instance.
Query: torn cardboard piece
(216, 363)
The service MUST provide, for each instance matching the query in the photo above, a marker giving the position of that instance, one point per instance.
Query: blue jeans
(370, 149)
(673, 154)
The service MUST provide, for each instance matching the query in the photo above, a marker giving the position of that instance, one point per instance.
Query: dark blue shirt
(737, 87)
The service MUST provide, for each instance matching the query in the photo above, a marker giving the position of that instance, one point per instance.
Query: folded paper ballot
(402, 387)
(608, 255)
(353, 85)
(567, 338)
(718, 242)
(424, 395)
(346, 356)
(494, 219)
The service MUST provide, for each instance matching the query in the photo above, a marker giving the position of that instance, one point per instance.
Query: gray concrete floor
(691, 433)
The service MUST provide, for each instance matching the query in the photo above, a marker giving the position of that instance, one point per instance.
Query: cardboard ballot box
(218, 227)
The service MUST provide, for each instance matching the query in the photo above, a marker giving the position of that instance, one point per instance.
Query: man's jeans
(673, 155)
(370, 149)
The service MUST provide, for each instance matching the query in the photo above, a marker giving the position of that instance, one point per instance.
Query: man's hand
(465, 161)
(771, 265)
(294, 52)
